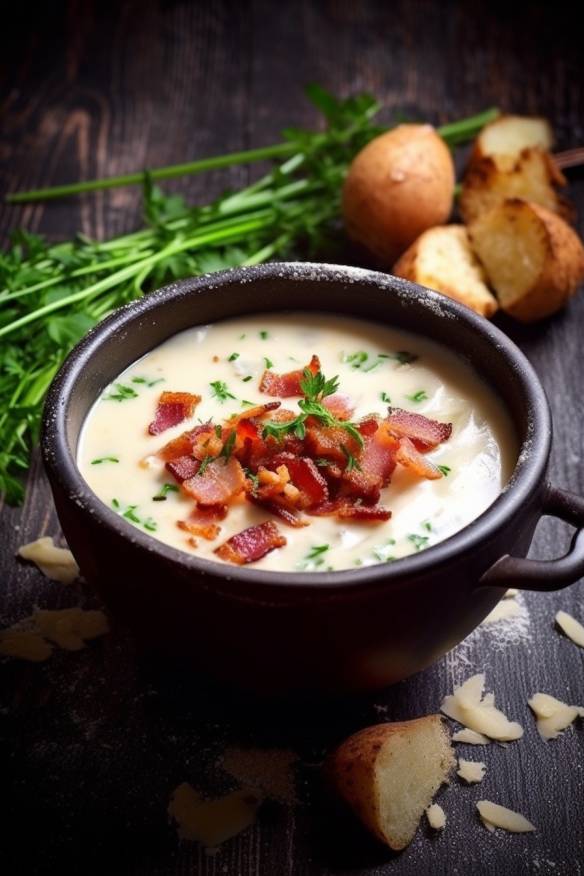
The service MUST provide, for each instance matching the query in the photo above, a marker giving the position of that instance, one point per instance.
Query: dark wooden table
(94, 742)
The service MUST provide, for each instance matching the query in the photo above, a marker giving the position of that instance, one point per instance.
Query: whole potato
(399, 185)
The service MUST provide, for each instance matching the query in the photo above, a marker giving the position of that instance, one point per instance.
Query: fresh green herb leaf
(130, 514)
(228, 446)
(316, 387)
(115, 504)
(404, 357)
(147, 382)
(419, 541)
(269, 363)
(352, 463)
(355, 360)
(445, 469)
(241, 337)
(427, 526)
(233, 357)
(164, 491)
(204, 465)
(419, 396)
(150, 524)
(247, 379)
(264, 335)
(220, 391)
(246, 403)
(382, 553)
(122, 393)
(315, 557)
(101, 459)
(385, 398)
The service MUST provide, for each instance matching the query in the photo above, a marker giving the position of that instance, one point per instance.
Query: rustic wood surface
(94, 742)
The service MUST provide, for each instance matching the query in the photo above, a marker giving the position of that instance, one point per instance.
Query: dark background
(94, 742)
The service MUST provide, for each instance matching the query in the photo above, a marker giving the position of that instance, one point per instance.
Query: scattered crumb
(436, 816)
(494, 816)
(56, 563)
(212, 822)
(267, 770)
(69, 628)
(504, 610)
(552, 715)
(469, 707)
(571, 627)
(471, 771)
(471, 737)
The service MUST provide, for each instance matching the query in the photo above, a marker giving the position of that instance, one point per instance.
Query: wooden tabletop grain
(94, 742)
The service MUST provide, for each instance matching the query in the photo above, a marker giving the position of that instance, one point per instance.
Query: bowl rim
(525, 480)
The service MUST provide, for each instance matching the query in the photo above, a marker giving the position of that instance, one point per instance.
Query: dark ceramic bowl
(352, 630)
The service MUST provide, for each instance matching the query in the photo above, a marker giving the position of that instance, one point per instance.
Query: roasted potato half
(389, 773)
(534, 260)
(506, 138)
(442, 259)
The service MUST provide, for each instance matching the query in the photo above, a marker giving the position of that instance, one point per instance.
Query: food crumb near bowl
(56, 563)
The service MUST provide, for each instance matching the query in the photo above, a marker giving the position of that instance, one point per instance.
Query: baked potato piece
(442, 259)
(505, 138)
(389, 773)
(534, 260)
(399, 185)
(531, 175)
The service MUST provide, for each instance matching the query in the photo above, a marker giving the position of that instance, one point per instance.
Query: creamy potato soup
(402, 450)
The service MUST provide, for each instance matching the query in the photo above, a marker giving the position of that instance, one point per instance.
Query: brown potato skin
(563, 269)
(350, 771)
(399, 185)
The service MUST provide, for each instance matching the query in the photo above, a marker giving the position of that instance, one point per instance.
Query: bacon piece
(254, 413)
(172, 409)
(426, 434)
(202, 521)
(408, 456)
(184, 444)
(377, 458)
(361, 485)
(305, 475)
(252, 544)
(219, 483)
(368, 426)
(328, 442)
(286, 385)
(340, 405)
(327, 508)
(279, 507)
(183, 468)
(364, 513)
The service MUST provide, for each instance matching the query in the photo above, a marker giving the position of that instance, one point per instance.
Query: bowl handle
(546, 574)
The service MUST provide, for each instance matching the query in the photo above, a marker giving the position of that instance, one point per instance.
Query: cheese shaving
(552, 715)
(212, 822)
(69, 628)
(494, 816)
(571, 627)
(471, 771)
(56, 563)
(471, 737)
(469, 707)
(436, 816)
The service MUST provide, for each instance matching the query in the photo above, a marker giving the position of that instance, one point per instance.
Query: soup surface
(378, 369)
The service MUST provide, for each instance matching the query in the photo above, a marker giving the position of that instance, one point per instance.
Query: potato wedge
(534, 260)
(389, 773)
(506, 137)
(442, 259)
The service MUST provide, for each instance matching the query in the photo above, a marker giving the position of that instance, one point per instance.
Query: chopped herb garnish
(404, 357)
(358, 562)
(384, 356)
(220, 391)
(150, 524)
(247, 379)
(315, 557)
(427, 526)
(218, 431)
(130, 514)
(254, 478)
(227, 448)
(241, 337)
(374, 364)
(122, 393)
(246, 403)
(351, 461)
(445, 469)
(146, 382)
(269, 363)
(419, 396)
(419, 541)
(205, 462)
(382, 552)
(101, 459)
(264, 335)
(385, 398)
(233, 357)
(355, 360)
(164, 491)
(115, 504)
(322, 462)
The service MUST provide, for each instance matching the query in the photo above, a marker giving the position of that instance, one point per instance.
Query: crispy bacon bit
(361, 485)
(340, 405)
(202, 521)
(364, 513)
(254, 413)
(305, 475)
(219, 483)
(172, 409)
(378, 456)
(252, 544)
(328, 442)
(184, 444)
(369, 425)
(183, 468)
(286, 385)
(408, 456)
(280, 507)
(426, 434)
(328, 508)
